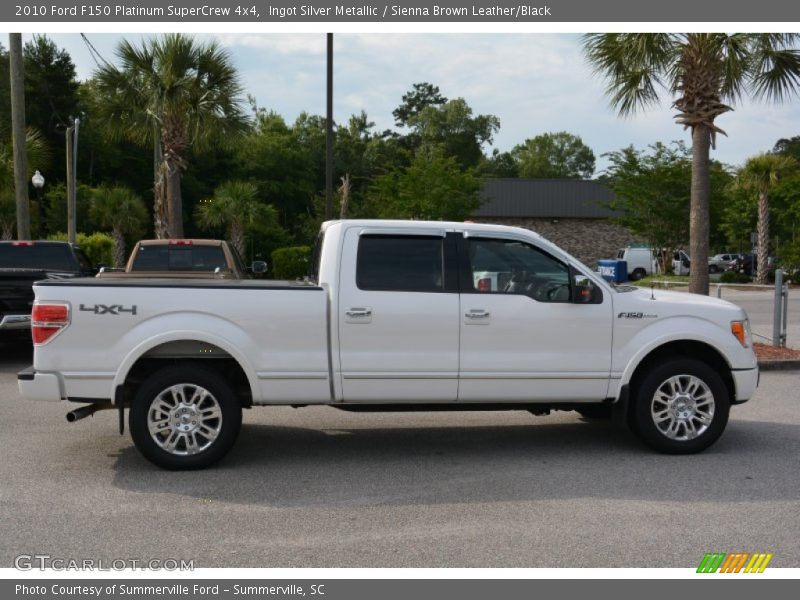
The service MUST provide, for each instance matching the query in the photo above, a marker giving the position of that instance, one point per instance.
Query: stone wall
(587, 239)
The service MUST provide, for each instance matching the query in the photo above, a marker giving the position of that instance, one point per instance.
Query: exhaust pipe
(85, 411)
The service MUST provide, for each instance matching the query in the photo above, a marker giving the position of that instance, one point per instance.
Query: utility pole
(18, 135)
(71, 187)
(329, 136)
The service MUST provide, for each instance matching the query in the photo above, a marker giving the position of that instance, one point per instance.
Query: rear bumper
(746, 382)
(39, 386)
(15, 322)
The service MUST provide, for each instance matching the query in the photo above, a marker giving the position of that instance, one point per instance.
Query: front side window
(513, 267)
(400, 263)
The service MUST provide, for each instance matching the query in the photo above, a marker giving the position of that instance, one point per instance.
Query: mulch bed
(765, 352)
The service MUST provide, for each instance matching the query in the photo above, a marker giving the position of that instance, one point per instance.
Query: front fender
(636, 348)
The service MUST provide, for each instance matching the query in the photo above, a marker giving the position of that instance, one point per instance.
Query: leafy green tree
(8, 213)
(788, 147)
(651, 190)
(171, 93)
(453, 128)
(554, 155)
(119, 209)
(760, 175)
(499, 164)
(420, 96)
(51, 97)
(274, 156)
(433, 187)
(5, 88)
(701, 71)
(235, 205)
(55, 198)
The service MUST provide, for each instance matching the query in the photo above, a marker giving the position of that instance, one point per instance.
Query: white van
(641, 261)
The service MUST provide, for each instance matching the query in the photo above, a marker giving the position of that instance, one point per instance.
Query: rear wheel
(185, 417)
(681, 407)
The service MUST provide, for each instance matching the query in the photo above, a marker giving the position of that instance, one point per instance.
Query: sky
(534, 83)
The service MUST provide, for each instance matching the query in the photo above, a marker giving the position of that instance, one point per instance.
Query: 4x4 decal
(108, 309)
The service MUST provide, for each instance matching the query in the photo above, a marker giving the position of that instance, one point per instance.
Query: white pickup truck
(397, 315)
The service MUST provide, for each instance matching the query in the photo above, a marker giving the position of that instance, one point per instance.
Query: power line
(94, 53)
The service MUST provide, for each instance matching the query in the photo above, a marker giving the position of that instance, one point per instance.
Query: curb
(779, 365)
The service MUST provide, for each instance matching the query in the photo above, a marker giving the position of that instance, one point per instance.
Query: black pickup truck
(22, 263)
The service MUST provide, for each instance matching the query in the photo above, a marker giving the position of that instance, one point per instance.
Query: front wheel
(681, 407)
(185, 417)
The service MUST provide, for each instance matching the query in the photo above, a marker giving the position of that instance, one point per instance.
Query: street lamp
(38, 183)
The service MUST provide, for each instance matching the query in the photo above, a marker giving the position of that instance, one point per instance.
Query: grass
(673, 280)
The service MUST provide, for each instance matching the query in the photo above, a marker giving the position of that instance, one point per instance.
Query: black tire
(713, 269)
(643, 419)
(595, 412)
(226, 427)
(637, 274)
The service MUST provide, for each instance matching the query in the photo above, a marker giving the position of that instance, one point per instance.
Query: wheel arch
(187, 347)
(681, 348)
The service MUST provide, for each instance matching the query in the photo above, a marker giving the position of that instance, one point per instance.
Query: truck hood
(664, 303)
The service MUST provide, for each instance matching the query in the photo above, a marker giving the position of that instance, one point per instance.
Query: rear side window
(400, 263)
(179, 258)
(36, 256)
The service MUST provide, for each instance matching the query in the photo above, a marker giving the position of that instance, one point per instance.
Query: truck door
(398, 322)
(523, 339)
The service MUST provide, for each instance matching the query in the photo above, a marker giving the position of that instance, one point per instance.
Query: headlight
(741, 330)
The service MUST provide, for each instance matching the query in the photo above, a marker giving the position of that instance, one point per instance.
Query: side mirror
(259, 267)
(584, 290)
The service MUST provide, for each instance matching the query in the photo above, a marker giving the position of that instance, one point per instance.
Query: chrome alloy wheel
(184, 419)
(682, 408)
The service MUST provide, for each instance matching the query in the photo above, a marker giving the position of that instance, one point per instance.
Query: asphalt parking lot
(316, 487)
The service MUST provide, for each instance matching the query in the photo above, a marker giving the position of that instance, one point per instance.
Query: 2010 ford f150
(397, 315)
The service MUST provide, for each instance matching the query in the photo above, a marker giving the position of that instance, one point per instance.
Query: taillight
(22, 243)
(180, 242)
(47, 320)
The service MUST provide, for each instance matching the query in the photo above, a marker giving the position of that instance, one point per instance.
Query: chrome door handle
(478, 314)
(356, 313)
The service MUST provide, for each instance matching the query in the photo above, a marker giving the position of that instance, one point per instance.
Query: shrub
(733, 277)
(99, 247)
(290, 262)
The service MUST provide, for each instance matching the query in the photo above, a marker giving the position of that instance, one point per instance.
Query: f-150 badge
(108, 309)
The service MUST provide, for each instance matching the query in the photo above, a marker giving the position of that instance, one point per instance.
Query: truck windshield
(55, 257)
(179, 258)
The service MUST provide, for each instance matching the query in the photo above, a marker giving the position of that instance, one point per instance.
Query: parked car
(640, 260)
(397, 317)
(747, 264)
(681, 263)
(185, 259)
(22, 263)
(722, 262)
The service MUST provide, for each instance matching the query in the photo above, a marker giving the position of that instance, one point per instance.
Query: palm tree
(172, 94)
(37, 150)
(39, 156)
(234, 204)
(701, 71)
(760, 174)
(8, 213)
(118, 208)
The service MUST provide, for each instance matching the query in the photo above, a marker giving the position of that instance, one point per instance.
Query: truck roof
(448, 225)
